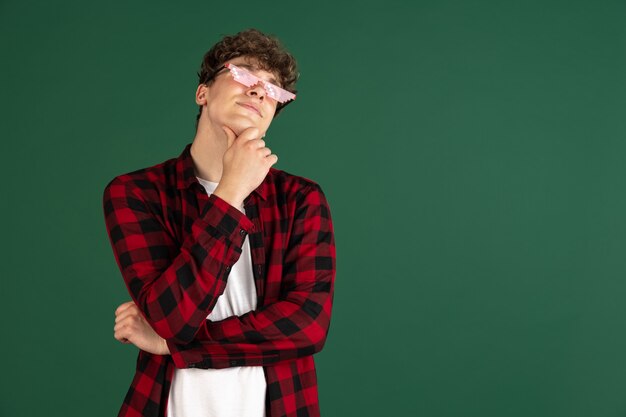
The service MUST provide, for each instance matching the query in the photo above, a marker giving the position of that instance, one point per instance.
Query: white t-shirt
(228, 392)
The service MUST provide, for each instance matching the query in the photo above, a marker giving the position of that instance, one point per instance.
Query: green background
(473, 155)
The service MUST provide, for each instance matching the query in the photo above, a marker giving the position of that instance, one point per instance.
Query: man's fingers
(122, 324)
(122, 339)
(130, 313)
(249, 134)
(123, 306)
(124, 329)
(126, 310)
(273, 158)
(123, 315)
(122, 334)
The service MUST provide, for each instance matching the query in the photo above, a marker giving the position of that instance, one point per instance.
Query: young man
(230, 263)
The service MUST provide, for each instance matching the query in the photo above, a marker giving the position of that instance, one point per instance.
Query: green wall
(473, 154)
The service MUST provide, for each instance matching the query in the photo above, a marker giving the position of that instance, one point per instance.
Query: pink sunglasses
(248, 79)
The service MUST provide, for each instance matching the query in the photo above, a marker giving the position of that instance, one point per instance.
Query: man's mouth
(251, 107)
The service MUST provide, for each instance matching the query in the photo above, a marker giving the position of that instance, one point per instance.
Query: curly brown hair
(265, 49)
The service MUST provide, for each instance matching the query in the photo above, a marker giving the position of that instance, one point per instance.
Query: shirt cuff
(228, 220)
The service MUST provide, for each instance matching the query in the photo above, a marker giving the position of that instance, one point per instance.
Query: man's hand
(246, 163)
(131, 327)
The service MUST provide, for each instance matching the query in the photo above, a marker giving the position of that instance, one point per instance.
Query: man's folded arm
(292, 327)
(174, 286)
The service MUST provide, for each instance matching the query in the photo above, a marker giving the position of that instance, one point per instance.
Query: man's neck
(207, 151)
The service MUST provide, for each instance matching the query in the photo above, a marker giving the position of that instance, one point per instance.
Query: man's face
(232, 104)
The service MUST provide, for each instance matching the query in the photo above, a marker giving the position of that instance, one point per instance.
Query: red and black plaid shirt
(175, 246)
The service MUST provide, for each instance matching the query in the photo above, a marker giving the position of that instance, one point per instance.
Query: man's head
(264, 57)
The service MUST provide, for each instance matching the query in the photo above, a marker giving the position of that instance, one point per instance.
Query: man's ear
(202, 93)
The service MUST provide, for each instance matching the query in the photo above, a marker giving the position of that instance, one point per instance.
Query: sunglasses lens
(271, 91)
(243, 76)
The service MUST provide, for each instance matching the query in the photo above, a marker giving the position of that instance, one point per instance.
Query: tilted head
(251, 56)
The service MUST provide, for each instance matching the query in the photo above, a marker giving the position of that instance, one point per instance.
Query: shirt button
(228, 269)
(242, 232)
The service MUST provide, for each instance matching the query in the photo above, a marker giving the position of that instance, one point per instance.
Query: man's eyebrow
(254, 68)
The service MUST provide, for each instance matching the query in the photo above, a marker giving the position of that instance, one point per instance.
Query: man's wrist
(229, 197)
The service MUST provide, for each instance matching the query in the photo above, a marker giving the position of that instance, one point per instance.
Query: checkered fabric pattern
(175, 246)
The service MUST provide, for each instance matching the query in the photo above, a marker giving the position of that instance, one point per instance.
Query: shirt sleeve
(294, 326)
(175, 286)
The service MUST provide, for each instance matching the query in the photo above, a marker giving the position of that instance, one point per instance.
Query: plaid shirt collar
(186, 176)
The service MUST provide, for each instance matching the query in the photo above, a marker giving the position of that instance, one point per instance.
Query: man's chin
(239, 126)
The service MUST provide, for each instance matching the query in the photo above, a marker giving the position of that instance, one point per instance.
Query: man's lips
(251, 107)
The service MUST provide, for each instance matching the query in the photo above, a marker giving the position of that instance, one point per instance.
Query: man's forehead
(252, 64)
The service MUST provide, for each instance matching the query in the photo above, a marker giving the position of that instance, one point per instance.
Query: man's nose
(256, 90)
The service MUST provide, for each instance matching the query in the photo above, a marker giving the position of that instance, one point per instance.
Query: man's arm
(292, 327)
(175, 287)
